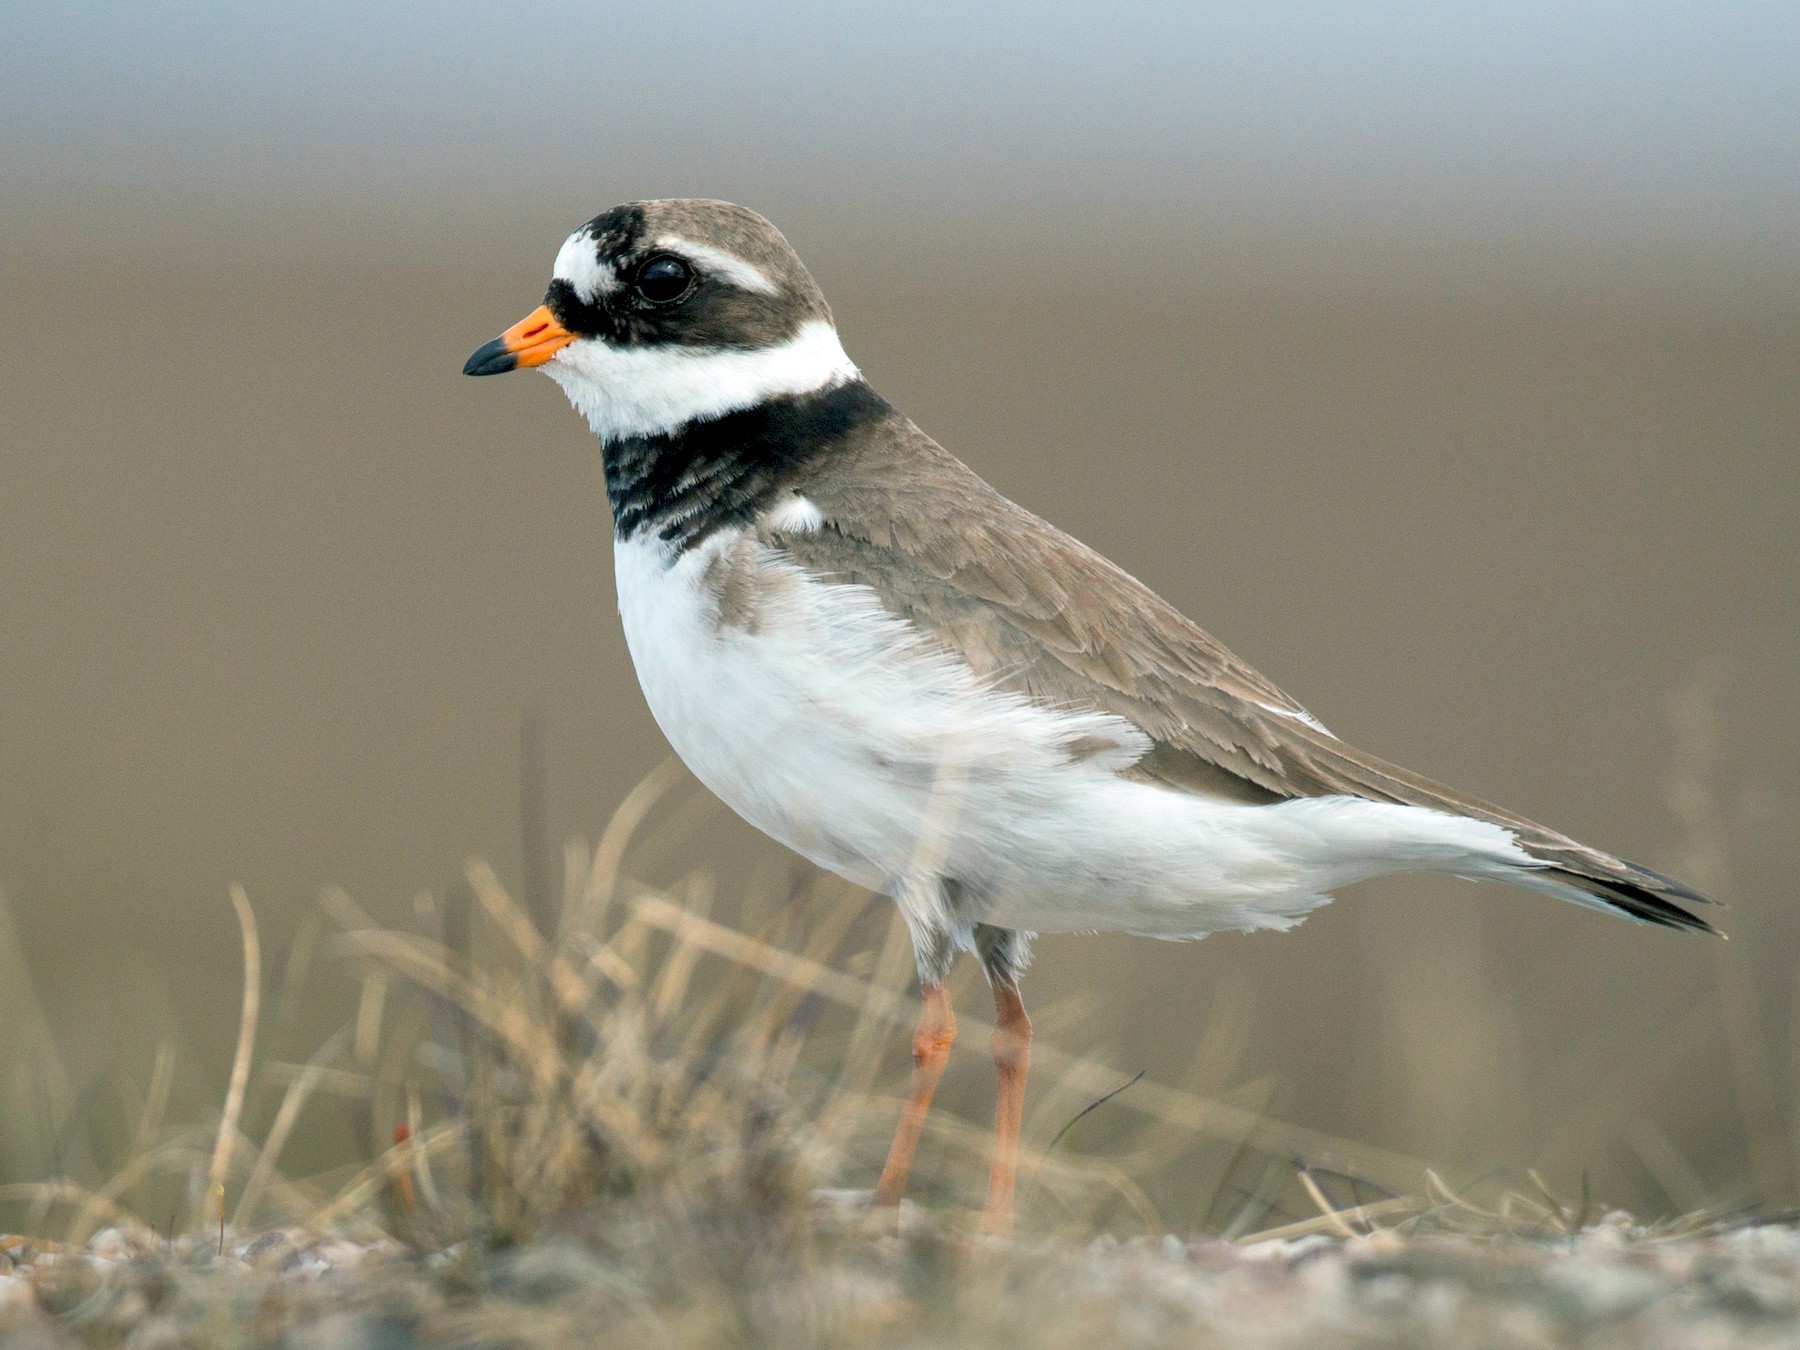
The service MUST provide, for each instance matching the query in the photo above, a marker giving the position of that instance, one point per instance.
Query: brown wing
(1038, 611)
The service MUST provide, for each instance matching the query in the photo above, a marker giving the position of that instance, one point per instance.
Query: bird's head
(663, 313)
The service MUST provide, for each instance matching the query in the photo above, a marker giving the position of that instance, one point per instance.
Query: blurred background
(1445, 362)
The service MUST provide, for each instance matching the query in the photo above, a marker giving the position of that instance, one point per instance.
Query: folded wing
(1035, 610)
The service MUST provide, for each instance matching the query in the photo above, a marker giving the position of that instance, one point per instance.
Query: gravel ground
(838, 1283)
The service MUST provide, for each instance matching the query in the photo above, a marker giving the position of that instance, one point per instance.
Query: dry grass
(626, 1130)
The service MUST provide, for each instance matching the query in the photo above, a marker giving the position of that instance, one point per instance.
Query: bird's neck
(712, 473)
(628, 389)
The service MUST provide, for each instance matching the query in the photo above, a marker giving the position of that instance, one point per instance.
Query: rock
(16, 1294)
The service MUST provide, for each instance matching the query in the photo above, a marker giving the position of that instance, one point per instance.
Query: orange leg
(931, 1051)
(1012, 1061)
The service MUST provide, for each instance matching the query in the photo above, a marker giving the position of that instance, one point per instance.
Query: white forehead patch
(580, 266)
(717, 262)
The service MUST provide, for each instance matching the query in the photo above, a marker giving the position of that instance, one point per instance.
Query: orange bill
(531, 341)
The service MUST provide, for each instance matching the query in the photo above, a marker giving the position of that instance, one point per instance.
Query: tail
(1594, 880)
(1553, 863)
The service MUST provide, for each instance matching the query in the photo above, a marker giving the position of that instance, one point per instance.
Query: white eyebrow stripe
(726, 266)
(578, 264)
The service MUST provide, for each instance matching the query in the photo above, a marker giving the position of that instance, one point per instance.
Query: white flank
(717, 262)
(836, 728)
(642, 391)
(578, 264)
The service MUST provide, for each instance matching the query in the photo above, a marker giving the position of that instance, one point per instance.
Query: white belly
(833, 727)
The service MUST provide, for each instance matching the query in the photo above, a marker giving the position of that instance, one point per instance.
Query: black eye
(664, 279)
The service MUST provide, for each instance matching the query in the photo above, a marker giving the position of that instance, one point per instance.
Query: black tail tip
(1661, 902)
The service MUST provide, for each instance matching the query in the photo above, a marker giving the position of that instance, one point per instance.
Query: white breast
(836, 728)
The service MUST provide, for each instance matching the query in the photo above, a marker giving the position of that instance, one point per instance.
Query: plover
(877, 659)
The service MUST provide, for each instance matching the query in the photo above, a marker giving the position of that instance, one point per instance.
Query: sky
(1678, 120)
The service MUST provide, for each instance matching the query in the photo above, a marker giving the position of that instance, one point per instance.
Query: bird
(878, 660)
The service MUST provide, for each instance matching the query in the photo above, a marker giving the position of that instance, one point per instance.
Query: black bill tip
(491, 358)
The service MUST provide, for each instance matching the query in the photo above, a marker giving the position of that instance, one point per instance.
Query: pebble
(16, 1293)
(113, 1244)
(1686, 1292)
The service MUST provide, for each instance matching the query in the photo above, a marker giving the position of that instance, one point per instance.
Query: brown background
(1518, 510)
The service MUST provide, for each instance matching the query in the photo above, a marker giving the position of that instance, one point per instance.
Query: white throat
(645, 391)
